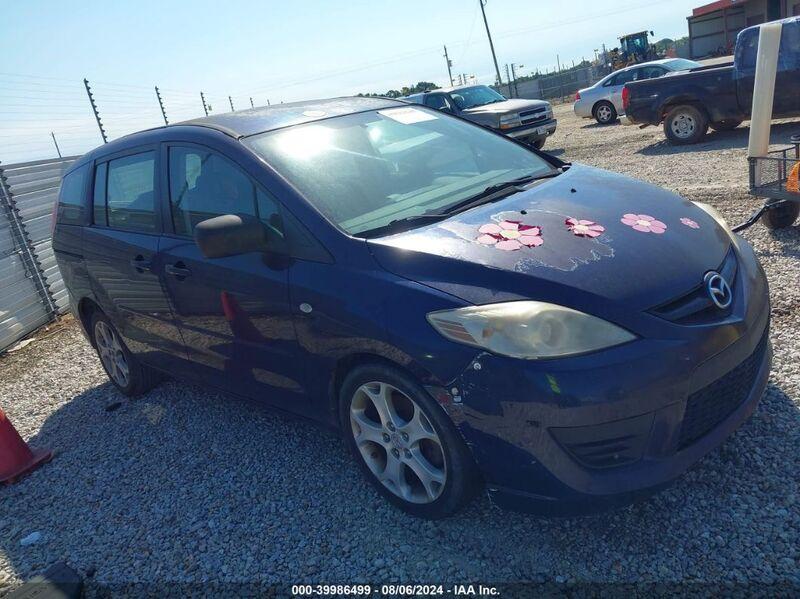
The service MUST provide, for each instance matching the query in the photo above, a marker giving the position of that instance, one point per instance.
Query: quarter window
(124, 193)
(71, 197)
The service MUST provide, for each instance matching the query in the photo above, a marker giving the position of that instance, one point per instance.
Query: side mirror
(230, 235)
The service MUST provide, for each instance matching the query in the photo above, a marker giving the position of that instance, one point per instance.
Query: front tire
(539, 143)
(405, 444)
(605, 113)
(130, 376)
(685, 125)
(781, 216)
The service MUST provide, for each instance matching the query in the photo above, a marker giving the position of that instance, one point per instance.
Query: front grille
(533, 116)
(712, 404)
(696, 306)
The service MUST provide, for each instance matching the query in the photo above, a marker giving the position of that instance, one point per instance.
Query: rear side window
(124, 193)
(71, 198)
(789, 54)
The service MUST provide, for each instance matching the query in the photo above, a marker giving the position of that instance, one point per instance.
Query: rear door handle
(141, 264)
(178, 270)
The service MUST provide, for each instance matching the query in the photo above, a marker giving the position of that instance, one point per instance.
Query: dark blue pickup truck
(688, 103)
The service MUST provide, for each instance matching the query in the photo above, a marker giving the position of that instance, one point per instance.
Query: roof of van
(242, 123)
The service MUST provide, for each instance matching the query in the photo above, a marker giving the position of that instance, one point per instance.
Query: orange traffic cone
(16, 458)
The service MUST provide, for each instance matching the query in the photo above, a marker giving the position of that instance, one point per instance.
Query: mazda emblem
(718, 290)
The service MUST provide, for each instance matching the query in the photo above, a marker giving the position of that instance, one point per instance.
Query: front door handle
(141, 264)
(178, 270)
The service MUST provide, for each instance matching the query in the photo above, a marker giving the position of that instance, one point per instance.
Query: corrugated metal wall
(31, 289)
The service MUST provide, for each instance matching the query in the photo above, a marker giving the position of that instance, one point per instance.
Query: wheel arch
(86, 309)
(683, 100)
(350, 362)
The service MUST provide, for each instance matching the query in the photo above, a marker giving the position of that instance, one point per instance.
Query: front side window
(126, 199)
(203, 185)
(480, 95)
(364, 170)
(71, 197)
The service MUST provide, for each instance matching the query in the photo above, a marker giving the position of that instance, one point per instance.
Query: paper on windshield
(408, 115)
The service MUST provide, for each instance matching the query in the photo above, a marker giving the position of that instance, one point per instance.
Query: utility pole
(94, 110)
(231, 101)
(58, 150)
(514, 77)
(491, 44)
(508, 78)
(205, 106)
(560, 80)
(268, 104)
(161, 105)
(449, 65)
(251, 102)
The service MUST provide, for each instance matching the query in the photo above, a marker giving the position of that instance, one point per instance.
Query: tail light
(626, 97)
(577, 96)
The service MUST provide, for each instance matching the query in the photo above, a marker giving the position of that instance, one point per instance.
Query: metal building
(713, 27)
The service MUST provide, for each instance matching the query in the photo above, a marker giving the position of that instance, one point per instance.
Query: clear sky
(265, 49)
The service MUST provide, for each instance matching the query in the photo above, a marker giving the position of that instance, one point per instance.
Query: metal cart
(778, 181)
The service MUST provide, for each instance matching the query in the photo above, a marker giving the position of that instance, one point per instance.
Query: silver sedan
(603, 100)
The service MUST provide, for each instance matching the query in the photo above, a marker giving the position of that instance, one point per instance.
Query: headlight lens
(713, 213)
(509, 121)
(528, 329)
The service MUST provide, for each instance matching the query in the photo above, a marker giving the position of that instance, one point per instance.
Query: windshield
(469, 97)
(681, 64)
(365, 170)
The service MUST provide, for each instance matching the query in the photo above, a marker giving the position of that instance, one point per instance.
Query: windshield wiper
(400, 224)
(492, 193)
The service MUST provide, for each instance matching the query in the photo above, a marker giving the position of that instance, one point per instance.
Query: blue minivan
(470, 313)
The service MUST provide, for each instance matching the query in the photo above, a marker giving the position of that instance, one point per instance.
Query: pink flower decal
(584, 228)
(644, 223)
(510, 235)
(690, 223)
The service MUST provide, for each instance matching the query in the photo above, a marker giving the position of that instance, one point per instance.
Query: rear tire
(685, 125)
(728, 125)
(781, 216)
(604, 112)
(394, 430)
(127, 373)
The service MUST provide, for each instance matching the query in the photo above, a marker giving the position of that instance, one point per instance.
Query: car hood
(508, 106)
(623, 268)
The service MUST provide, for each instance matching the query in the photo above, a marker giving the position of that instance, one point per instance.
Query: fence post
(161, 105)
(58, 150)
(24, 246)
(94, 109)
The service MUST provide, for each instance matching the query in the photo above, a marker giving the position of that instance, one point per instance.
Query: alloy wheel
(398, 442)
(111, 354)
(604, 114)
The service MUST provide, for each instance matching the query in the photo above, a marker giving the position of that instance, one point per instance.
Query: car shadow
(721, 140)
(596, 125)
(182, 480)
(553, 151)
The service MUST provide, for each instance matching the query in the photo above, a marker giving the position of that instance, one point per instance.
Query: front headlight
(509, 121)
(713, 213)
(528, 329)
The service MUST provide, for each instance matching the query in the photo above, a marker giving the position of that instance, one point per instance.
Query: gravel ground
(190, 485)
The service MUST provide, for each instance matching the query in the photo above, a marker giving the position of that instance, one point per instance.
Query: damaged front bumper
(592, 432)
